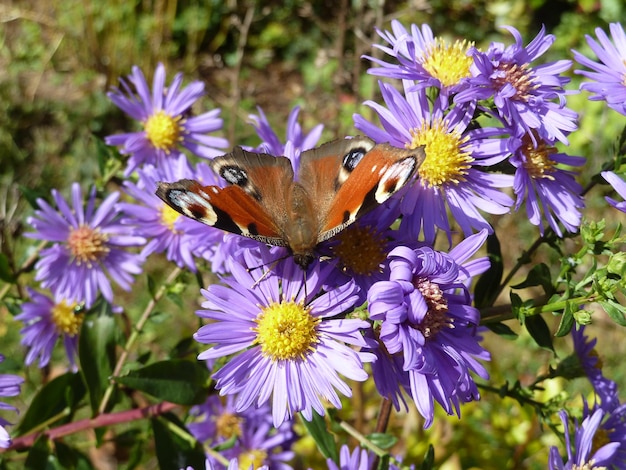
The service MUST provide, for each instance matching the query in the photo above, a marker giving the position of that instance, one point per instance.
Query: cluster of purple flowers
(288, 334)
(445, 87)
(600, 439)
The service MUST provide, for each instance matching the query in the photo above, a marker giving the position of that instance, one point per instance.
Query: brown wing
(325, 169)
(254, 203)
(377, 176)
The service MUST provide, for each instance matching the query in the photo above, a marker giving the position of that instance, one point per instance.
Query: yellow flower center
(228, 425)
(538, 162)
(67, 318)
(448, 158)
(437, 317)
(520, 77)
(168, 216)
(449, 63)
(87, 244)
(286, 331)
(587, 466)
(361, 249)
(255, 457)
(163, 130)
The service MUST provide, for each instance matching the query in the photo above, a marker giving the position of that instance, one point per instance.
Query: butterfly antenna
(272, 265)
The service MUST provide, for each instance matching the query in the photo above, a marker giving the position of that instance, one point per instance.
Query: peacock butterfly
(336, 184)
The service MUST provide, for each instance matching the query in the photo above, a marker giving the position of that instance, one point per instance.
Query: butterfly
(336, 184)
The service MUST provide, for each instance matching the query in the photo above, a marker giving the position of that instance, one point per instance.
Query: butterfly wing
(253, 203)
(367, 182)
(323, 170)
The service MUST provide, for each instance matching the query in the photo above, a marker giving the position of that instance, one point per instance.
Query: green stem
(134, 335)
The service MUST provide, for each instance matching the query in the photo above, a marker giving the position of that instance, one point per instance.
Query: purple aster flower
(361, 249)
(427, 318)
(295, 141)
(359, 459)
(271, 142)
(529, 98)
(618, 185)
(281, 330)
(254, 439)
(420, 56)
(9, 387)
(46, 321)
(89, 247)
(181, 238)
(612, 429)
(550, 191)
(609, 74)
(451, 176)
(580, 455)
(165, 115)
(589, 361)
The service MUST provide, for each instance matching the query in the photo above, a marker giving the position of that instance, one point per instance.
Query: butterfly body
(336, 184)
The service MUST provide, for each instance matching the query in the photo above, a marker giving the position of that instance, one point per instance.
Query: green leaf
(539, 331)
(502, 329)
(615, 311)
(324, 439)
(382, 440)
(38, 455)
(32, 195)
(61, 394)
(103, 154)
(151, 286)
(175, 447)
(488, 285)
(96, 351)
(5, 271)
(539, 275)
(70, 457)
(567, 321)
(177, 381)
(429, 459)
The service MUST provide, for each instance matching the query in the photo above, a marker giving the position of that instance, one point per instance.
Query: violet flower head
(165, 114)
(529, 98)
(427, 318)
(182, 239)
(619, 185)
(252, 438)
(420, 56)
(605, 388)
(452, 176)
(89, 247)
(296, 141)
(46, 320)
(608, 74)
(543, 181)
(280, 329)
(9, 387)
(583, 453)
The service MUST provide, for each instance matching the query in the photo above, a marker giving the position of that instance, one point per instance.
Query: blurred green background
(58, 59)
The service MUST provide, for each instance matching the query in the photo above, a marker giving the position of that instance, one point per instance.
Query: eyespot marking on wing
(351, 159)
(237, 176)
(394, 178)
(192, 205)
(234, 175)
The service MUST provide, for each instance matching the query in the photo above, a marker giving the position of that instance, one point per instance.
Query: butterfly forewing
(228, 208)
(325, 169)
(378, 175)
